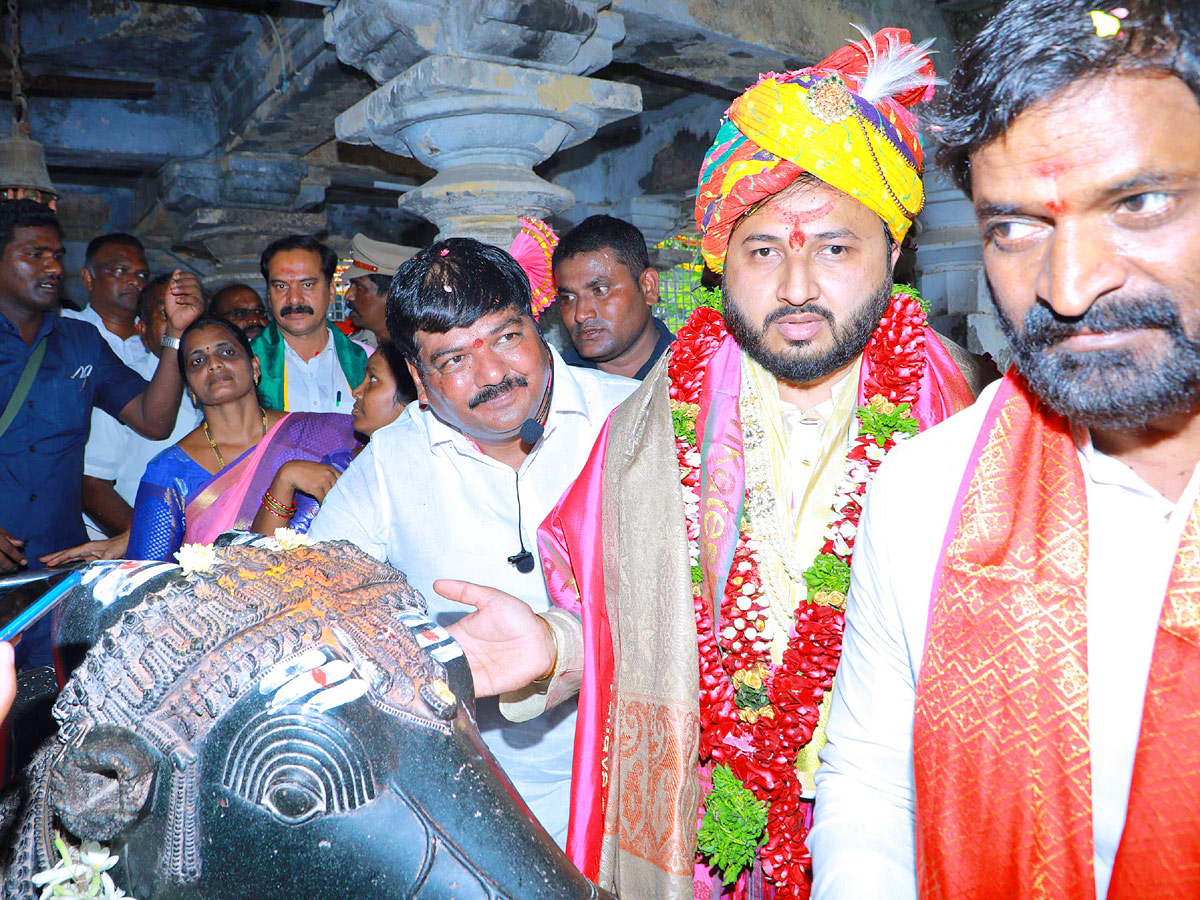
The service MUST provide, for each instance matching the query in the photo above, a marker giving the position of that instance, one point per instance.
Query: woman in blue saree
(215, 478)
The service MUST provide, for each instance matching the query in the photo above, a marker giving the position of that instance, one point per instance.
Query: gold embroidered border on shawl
(1002, 697)
(653, 791)
(1159, 854)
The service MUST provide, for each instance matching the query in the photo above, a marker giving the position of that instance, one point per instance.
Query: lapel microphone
(532, 430)
(534, 427)
(523, 561)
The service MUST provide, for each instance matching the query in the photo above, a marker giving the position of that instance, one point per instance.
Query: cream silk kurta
(648, 591)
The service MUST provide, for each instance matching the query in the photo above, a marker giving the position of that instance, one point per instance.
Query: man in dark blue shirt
(41, 452)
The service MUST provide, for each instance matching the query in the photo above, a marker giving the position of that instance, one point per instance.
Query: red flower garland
(761, 750)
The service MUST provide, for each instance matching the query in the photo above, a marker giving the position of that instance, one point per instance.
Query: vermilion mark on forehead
(1058, 207)
(1049, 169)
(804, 216)
(478, 343)
(797, 238)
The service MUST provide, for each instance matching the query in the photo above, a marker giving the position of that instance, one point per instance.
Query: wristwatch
(172, 343)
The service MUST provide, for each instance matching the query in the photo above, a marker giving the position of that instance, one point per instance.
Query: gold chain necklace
(217, 450)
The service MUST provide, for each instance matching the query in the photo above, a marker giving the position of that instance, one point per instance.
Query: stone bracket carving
(384, 37)
(271, 181)
(446, 111)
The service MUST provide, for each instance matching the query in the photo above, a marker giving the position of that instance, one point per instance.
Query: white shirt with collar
(422, 497)
(863, 840)
(115, 452)
(131, 351)
(318, 384)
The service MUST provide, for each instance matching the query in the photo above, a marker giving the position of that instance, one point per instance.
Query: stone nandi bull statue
(286, 723)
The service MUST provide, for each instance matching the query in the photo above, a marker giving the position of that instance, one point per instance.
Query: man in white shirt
(116, 455)
(1015, 711)
(457, 486)
(115, 275)
(307, 364)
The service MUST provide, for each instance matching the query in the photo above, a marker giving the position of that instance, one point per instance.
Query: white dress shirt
(423, 497)
(863, 839)
(318, 384)
(115, 452)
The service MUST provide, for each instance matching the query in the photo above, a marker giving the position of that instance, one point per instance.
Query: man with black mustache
(457, 486)
(1016, 710)
(307, 364)
(114, 273)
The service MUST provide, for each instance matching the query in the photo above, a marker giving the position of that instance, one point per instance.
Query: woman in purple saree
(190, 493)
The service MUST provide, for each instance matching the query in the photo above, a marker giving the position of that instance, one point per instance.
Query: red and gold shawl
(1000, 737)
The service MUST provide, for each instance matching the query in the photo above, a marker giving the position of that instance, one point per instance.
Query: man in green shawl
(307, 365)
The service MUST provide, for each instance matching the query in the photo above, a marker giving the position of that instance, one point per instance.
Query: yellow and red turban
(846, 121)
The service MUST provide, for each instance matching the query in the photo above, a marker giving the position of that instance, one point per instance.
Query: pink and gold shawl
(577, 560)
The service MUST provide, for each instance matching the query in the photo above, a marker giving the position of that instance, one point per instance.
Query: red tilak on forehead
(1049, 169)
(1056, 206)
(478, 343)
(797, 238)
(804, 216)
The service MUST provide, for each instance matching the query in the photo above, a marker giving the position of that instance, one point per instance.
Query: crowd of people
(657, 550)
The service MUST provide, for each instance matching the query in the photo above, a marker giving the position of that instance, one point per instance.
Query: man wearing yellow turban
(700, 561)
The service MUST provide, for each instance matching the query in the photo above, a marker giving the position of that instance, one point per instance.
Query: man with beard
(458, 484)
(700, 559)
(307, 364)
(1016, 711)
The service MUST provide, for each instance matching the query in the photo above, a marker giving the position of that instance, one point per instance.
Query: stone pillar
(658, 216)
(950, 269)
(227, 208)
(481, 91)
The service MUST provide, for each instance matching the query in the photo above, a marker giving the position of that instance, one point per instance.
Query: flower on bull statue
(81, 872)
(193, 558)
(286, 539)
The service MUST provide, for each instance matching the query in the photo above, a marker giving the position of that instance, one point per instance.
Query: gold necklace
(217, 450)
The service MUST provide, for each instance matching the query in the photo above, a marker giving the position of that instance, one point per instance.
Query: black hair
(606, 233)
(406, 390)
(1033, 49)
(452, 284)
(203, 321)
(382, 283)
(144, 296)
(329, 259)
(16, 214)
(116, 239)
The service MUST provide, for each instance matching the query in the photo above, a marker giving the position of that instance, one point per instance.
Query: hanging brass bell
(23, 169)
